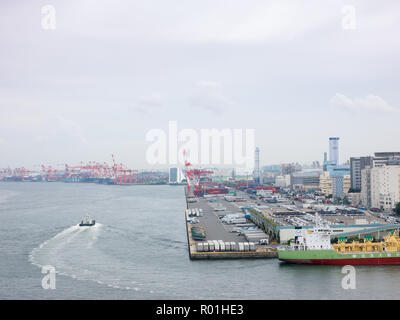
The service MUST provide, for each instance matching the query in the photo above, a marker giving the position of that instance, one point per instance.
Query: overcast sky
(113, 70)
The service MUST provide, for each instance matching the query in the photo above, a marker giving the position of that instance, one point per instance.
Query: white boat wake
(73, 253)
(111, 257)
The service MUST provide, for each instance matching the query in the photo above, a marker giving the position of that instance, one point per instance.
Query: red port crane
(193, 177)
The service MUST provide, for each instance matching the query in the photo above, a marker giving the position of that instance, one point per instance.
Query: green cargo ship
(314, 247)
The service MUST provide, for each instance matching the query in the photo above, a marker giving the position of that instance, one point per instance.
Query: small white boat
(87, 222)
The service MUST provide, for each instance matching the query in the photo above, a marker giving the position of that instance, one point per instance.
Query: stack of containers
(198, 233)
(221, 246)
(254, 235)
(246, 246)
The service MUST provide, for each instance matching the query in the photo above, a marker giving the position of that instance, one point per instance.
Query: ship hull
(331, 257)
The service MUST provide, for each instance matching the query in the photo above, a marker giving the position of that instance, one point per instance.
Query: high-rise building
(334, 149)
(256, 173)
(356, 165)
(305, 180)
(385, 187)
(340, 185)
(366, 187)
(176, 175)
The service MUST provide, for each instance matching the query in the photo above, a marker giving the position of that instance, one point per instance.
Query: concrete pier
(216, 230)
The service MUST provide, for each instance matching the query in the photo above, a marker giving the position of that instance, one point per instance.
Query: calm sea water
(138, 250)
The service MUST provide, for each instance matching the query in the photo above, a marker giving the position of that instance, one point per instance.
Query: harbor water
(138, 250)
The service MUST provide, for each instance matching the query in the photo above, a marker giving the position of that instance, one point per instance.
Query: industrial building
(280, 222)
(305, 180)
(176, 176)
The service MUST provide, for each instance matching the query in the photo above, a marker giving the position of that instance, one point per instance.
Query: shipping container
(199, 246)
(227, 246)
(259, 237)
(221, 245)
(240, 246)
(198, 236)
(211, 246)
(205, 246)
(216, 245)
(252, 246)
(257, 233)
(198, 232)
(254, 234)
(247, 225)
(253, 231)
(246, 246)
(255, 238)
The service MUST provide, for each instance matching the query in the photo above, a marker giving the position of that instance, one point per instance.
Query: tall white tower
(256, 173)
(334, 149)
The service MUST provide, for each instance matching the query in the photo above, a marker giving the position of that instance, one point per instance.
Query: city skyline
(316, 163)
